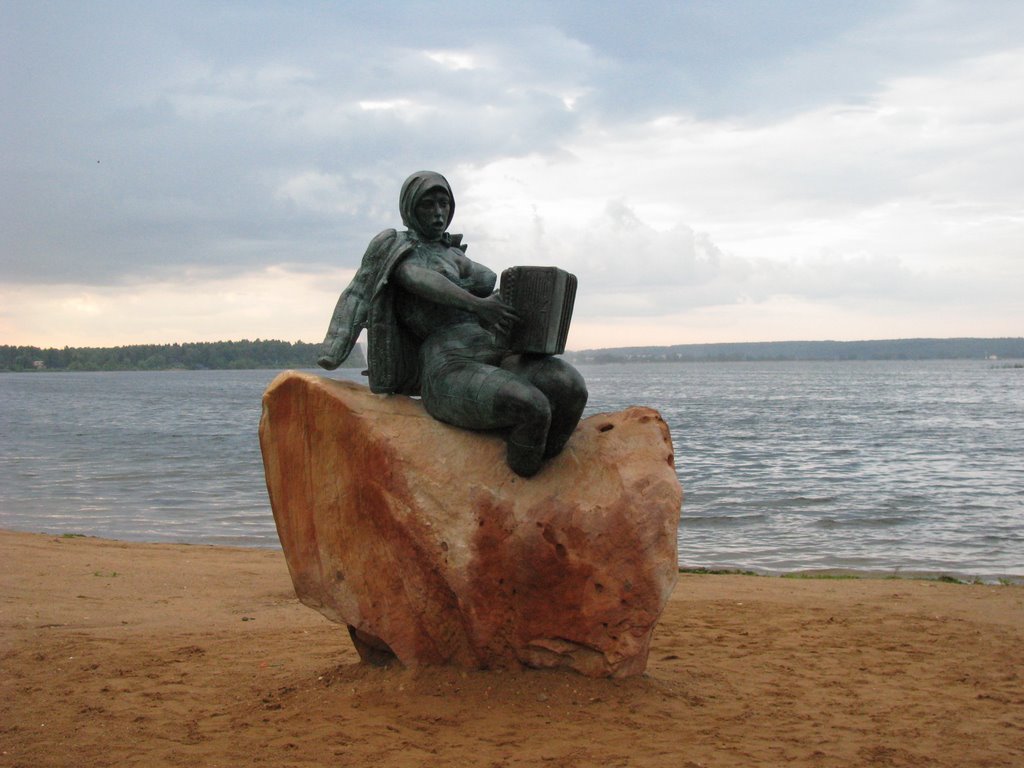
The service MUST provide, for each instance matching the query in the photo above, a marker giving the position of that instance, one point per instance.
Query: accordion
(543, 298)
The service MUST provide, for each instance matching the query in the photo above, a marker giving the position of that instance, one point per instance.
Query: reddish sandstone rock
(418, 537)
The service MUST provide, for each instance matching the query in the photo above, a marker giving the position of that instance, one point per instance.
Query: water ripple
(879, 466)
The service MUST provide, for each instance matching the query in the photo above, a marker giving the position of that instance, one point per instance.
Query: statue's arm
(435, 287)
(350, 313)
(347, 321)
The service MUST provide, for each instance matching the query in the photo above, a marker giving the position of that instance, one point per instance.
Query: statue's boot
(525, 408)
(524, 460)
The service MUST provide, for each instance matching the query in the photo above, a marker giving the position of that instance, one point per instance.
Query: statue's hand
(496, 314)
(328, 361)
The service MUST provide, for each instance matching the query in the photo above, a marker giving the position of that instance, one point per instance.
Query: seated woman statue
(431, 315)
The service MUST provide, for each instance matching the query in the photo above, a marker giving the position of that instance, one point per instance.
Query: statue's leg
(564, 388)
(481, 396)
(525, 408)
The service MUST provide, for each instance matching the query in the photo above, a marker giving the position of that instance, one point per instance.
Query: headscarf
(414, 188)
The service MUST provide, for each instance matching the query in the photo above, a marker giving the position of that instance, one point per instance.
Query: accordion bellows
(543, 297)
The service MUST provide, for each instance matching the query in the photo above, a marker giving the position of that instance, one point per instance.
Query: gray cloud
(137, 146)
(141, 140)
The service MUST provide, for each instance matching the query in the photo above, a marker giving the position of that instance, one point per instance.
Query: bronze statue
(432, 316)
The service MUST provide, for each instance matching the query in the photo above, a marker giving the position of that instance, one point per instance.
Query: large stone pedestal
(418, 537)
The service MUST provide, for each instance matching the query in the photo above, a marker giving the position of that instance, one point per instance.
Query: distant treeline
(894, 349)
(284, 354)
(158, 357)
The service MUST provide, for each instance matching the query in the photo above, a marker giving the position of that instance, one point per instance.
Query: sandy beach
(119, 654)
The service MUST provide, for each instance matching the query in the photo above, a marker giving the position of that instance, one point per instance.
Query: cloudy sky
(740, 170)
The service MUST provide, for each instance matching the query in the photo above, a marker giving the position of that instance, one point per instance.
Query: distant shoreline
(273, 354)
(266, 354)
(992, 349)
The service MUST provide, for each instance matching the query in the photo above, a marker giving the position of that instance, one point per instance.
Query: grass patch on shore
(854, 576)
(823, 576)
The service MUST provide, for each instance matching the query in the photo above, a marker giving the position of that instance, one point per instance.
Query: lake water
(876, 466)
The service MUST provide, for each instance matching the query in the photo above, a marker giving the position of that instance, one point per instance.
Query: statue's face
(432, 213)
